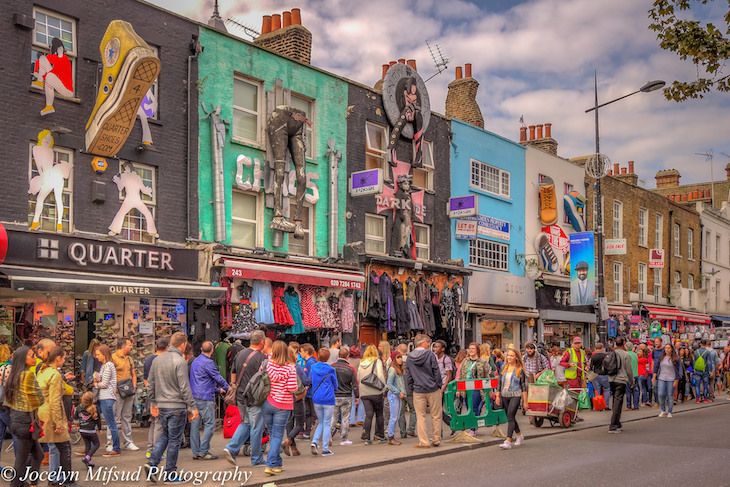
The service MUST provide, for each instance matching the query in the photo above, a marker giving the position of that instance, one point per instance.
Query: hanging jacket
(375, 305)
(403, 323)
(386, 299)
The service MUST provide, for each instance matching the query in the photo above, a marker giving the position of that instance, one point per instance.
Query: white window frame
(643, 227)
(658, 231)
(478, 180)
(618, 219)
(310, 134)
(483, 252)
(258, 239)
(677, 238)
(690, 244)
(67, 190)
(308, 232)
(259, 113)
(428, 167)
(717, 248)
(371, 149)
(46, 48)
(641, 277)
(150, 201)
(618, 282)
(423, 246)
(657, 285)
(374, 238)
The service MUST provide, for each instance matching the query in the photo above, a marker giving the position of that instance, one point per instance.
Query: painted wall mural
(130, 67)
(147, 109)
(50, 179)
(574, 205)
(53, 74)
(130, 183)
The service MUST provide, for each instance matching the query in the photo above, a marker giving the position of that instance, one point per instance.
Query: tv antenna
(439, 60)
(247, 29)
(709, 155)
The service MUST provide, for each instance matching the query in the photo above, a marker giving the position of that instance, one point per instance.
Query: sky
(532, 58)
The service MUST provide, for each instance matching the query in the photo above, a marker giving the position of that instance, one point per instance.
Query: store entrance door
(495, 340)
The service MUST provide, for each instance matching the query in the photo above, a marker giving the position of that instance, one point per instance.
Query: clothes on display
(282, 316)
(310, 316)
(262, 297)
(347, 312)
(401, 308)
(385, 288)
(323, 309)
(291, 299)
(334, 303)
(375, 305)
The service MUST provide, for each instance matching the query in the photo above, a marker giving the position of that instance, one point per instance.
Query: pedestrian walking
(155, 429)
(5, 369)
(347, 386)
(371, 380)
(324, 385)
(632, 389)
(334, 350)
(279, 403)
(473, 367)
(619, 382)
(89, 420)
(447, 369)
(656, 352)
(295, 425)
(396, 384)
(307, 351)
(423, 377)
(667, 372)
(645, 376)
(600, 382)
(23, 397)
(555, 358)
(386, 355)
(512, 392)
(535, 362)
(89, 364)
(171, 400)
(702, 366)
(407, 428)
(205, 382)
(251, 429)
(105, 382)
(126, 387)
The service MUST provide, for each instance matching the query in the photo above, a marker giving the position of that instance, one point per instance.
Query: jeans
(250, 430)
(702, 385)
(632, 395)
(173, 425)
(323, 432)
(343, 406)
(395, 404)
(154, 432)
(275, 420)
(25, 446)
(618, 390)
(373, 407)
(433, 402)
(54, 459)
(61, 473)
(666, 395)
(310, 416)
(358, 413)
(511, 407)
(107, 410)
(4, 425)
(296, 422)
(411, 429)
(601, 386)
(200, 446)
(645, 387)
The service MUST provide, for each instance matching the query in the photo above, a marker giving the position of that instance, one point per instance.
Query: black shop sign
(558, 298)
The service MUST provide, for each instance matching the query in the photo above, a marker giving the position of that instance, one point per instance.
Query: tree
(704, 44)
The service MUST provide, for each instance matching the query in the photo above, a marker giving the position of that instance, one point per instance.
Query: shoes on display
(574, 205)
(548, 259)
(548, 202)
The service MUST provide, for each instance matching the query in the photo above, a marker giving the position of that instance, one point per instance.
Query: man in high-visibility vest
(574, 362)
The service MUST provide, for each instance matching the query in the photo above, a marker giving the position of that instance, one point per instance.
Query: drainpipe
(334, 158)
(219, 201)
(671, 255)
(196, 48)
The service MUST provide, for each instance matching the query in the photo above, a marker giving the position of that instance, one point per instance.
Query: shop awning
(293, 273)
(725, 320)
(567, 316)
(669, 313)
(29, 279)
(503, 313)
(619, 310)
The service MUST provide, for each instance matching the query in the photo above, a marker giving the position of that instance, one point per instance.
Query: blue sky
(533, 58)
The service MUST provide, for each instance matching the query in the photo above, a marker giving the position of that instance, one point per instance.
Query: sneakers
(520, 439)
(109, 448)
(548, 259)
(669, 415)
(131, 447)
(229, 456)
(394, 442)
(111, 454)
(130, 68)
(345, 443)
(662, 414)
(574, 205)
(313, 449)
(506, 445)
(548, 202)
(273, 470)
(327, 453)
(174, 479)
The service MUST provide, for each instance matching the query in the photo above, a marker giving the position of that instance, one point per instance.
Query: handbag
(36, 427)
(372, 380)
(125, 388)
(230, 397)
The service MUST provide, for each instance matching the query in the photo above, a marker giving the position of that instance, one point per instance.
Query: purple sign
(366, 182)
(460, 206)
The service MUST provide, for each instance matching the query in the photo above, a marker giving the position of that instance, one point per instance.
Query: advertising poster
(582, 269)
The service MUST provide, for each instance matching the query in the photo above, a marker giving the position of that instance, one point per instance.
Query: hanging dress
(416, 323)
(281, 312)
(425, 308)
(262, 297)
(334, 303)
(386, 298)
(244, 321)
(436, 309)
(375, 306)
(323, 308)
(403, 323)
(310, 317)
(291, 299)
(347, 312)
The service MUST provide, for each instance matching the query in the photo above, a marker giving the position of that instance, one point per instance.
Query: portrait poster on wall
(583, 270)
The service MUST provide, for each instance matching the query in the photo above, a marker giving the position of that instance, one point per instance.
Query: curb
(439, 453)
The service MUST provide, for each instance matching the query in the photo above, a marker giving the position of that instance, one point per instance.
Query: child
(89, 423)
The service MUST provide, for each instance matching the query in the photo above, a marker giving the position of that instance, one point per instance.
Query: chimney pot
(623, 170)
(610, 172)
(266, 25)
(467, 69)
(616, 170)
(631, 167)
(532, 132)
(275, 22)
(523, 134)
(385, 70)
(402, 60)
(296, 16)
(392, 63)
(412, 64)
(539, 132)
(548, 131)
(286, 19)
(458, 72)
(684, 197)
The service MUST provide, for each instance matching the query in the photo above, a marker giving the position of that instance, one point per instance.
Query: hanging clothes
(402, 321)
(261, 297)
(347, 312)
(386, 299)
(416, 323)
(244, 320)
(375, 306)
(447, 306)
(425, 309)
(310, 317)
(323, 308)
(281, 312)
(436, 310)
(334, 303)
(291, 299)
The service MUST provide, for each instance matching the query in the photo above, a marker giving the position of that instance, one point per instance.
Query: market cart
(551, 402)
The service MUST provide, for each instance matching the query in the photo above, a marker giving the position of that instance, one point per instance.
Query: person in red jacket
(53, 74)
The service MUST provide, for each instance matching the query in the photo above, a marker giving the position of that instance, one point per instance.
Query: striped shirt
(283, 384)
(108, 383)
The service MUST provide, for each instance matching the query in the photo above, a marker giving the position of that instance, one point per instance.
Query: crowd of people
(287, 392)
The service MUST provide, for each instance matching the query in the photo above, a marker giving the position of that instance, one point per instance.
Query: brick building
(668, 184)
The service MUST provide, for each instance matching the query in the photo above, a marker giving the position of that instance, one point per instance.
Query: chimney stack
(543, 140)
(616, 168)
(539, 132)
(412, 64)
(461, 99)
(548, 130)
(523, 135)
(667, 178)
(626, 174)
(631, 167)
(291, 39)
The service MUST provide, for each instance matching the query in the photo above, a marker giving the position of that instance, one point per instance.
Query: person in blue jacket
(205, 382)
(324, 385)
(667, 372)
(309, 355)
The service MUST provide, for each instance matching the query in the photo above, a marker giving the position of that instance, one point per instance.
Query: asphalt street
(692, 448)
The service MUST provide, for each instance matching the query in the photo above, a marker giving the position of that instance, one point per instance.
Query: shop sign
(615, 246)
(460, 206)
(466, 229)
(366, 182)
(557, 238)
(557, 298)
(292, 278)
(87, 255)
(130, 290)
(656, 259)
(501, 289)
(491, 227)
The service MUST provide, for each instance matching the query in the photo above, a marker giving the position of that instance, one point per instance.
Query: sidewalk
(346, 458)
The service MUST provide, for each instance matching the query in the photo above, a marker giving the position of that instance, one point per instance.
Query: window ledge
(73, 99)
(247, 143)
(506, 199)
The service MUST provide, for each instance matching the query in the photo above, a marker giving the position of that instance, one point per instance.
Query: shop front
(502, 309)
(669, 323)
(558, 321)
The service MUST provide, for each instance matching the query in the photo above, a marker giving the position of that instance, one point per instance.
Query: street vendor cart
(551, 402)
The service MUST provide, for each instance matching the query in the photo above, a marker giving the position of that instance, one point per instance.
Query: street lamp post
(597, 169)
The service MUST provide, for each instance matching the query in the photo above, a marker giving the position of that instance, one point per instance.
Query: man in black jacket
(423, 377)
(346, 386)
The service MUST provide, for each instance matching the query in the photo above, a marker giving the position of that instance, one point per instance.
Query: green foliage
(704, 44)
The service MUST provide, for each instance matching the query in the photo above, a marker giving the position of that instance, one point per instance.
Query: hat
(582, 265)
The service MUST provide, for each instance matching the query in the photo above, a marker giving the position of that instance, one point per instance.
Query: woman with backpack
(667, 372)
(324, 385)
(279, 403)
(372, 382)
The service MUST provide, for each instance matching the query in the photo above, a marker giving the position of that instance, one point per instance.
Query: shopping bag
(547, 377)
(583, 401)
(231, 420)
(560, 400)
(599, 403)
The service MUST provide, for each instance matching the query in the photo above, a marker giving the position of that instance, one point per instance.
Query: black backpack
(611, 364)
